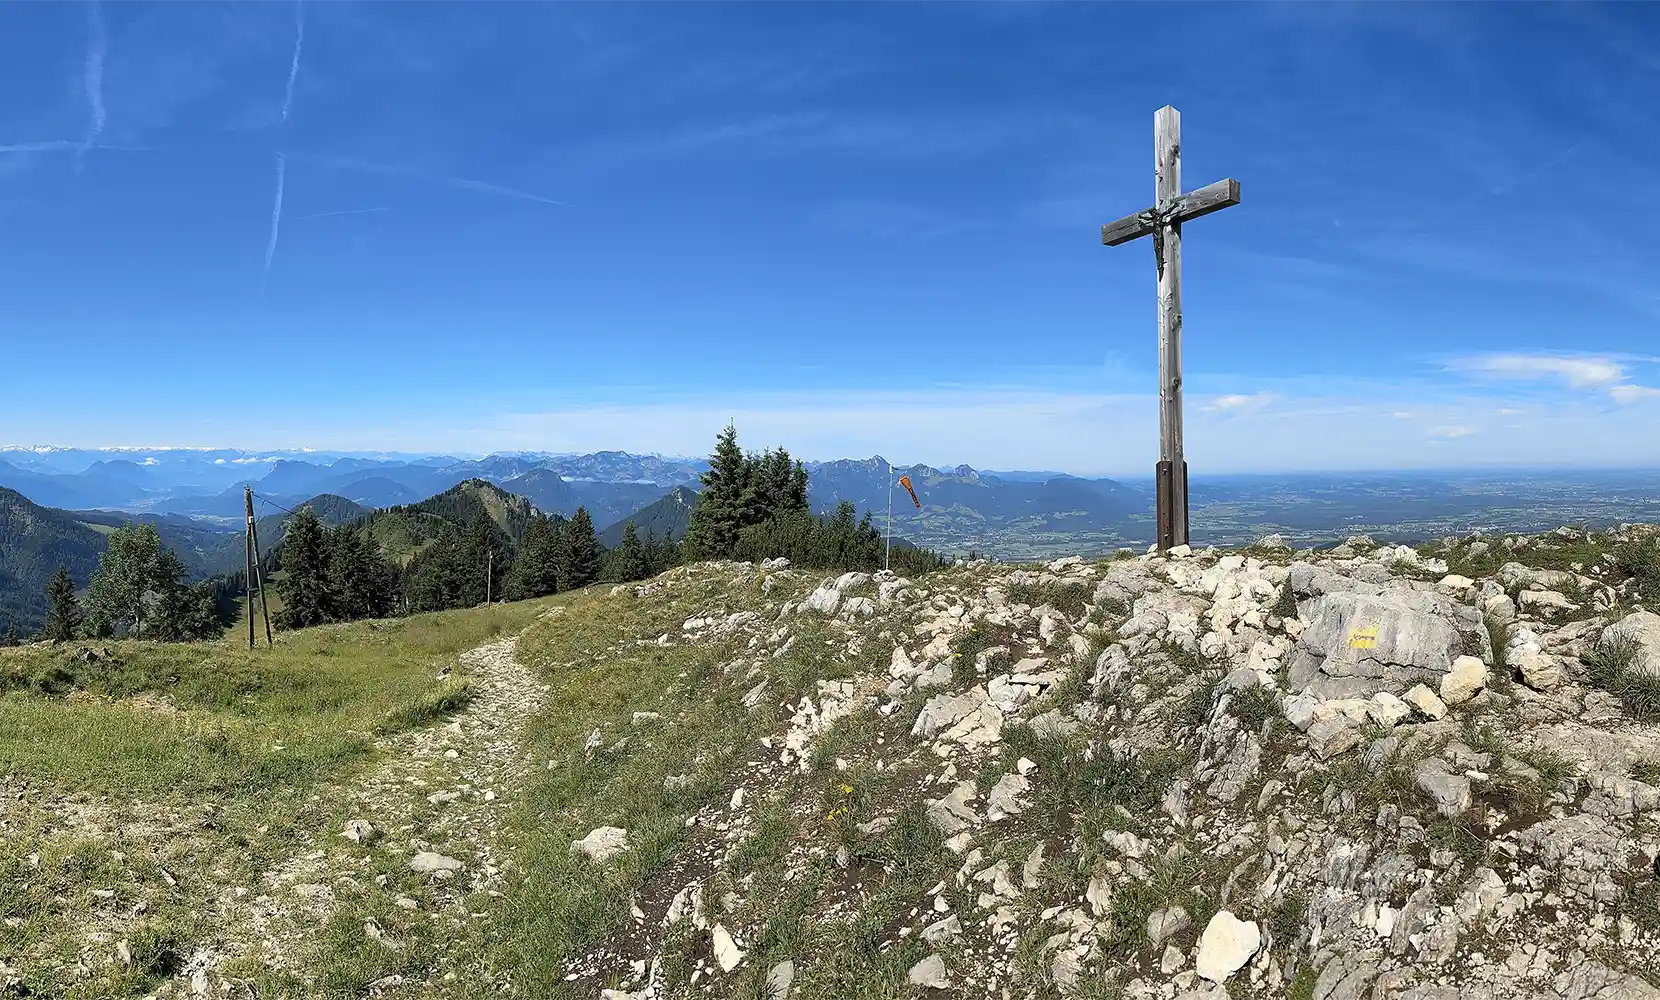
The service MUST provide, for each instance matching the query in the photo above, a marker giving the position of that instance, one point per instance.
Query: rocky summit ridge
(1368, 772)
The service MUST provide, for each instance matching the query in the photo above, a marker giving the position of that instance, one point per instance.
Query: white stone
(359, 831)
(824, 600)
(1164, 924)
(779, 980)
(1427, 702)
(1004, 799)
(727, 952)
(1225, 946)
(602, 844)
(1467, 676)
(426, 863)
(941, 931)
(1540, 671)
(1172, 961)
(1642, 629)
(1387, 710)
(1548, 599)
(929, 974)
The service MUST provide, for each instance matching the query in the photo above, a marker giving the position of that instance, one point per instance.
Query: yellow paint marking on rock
(1363, 638)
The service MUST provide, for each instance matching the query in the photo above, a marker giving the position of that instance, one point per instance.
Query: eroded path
(433, 810)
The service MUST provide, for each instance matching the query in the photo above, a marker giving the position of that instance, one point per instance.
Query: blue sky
(853, 228)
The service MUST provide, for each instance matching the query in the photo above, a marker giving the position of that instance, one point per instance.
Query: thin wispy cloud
(1633, 393)
(447, 180)
(1239, 403)
(38, 147)
(344, 211)
(1577, 372)
(294, 64)
(276, 227)
(93, 79)
(1544, 167)
(1607, 373)
(1450, 432)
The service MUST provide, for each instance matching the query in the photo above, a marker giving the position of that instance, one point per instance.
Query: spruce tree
(303, 585)
(63, 616)
(632, 560)
(717, 518)
(536, 565)
(796, 497)
(439, 577)
(578, 552)
(362, 582)
(174, 601)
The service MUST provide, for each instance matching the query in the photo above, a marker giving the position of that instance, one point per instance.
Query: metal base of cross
(1165, 495)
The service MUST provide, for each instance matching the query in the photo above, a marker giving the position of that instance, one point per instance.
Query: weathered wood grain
(1163, 222)
(1167, 166)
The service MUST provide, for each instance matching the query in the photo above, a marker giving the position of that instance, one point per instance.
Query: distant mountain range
(209, 482)
(195, 498)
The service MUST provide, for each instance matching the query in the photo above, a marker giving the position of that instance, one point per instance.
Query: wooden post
(489, 571)
(248, 558)
(1167, 245)
(259, 572)
(1164, 223)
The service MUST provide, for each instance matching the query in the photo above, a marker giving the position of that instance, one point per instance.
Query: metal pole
(248, 558)
(888, 548)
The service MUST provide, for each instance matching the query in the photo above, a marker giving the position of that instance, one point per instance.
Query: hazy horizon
(328, 456)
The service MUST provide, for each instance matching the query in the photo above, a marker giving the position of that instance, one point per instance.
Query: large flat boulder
(1642, 630)
(1359, 643)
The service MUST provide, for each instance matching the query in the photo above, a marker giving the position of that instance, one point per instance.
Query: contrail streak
(276, 226)
(348, 163)
(294, 65)
(55, 145)
(97, 47)
(344, 211)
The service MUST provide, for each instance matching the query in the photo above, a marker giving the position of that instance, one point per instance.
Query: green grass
(1610, 665)
(214, 791)
(1069, 598)
(1638, 559)
(1253, 707)
(246, 720)
(562, 904)
(1285, 606)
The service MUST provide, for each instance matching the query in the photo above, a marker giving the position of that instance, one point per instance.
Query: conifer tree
(796, 498)
(440, 577)
(63, 615)
(536, 565)
(362, 582)
(717, 518)
(661, 553)
(175, 603)
(633, 562)
(489, 557)
(578, 552)
(303, 585)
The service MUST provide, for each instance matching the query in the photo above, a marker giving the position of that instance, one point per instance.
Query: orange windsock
(905, 481)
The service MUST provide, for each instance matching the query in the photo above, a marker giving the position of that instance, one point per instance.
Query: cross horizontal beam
(1208, 199)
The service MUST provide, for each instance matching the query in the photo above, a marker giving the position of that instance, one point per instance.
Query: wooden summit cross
(1164, 221)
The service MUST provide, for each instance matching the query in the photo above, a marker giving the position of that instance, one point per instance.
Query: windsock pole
(888, 548)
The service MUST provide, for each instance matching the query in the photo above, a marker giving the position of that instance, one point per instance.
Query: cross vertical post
(1167, 245)
(1164, 223)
